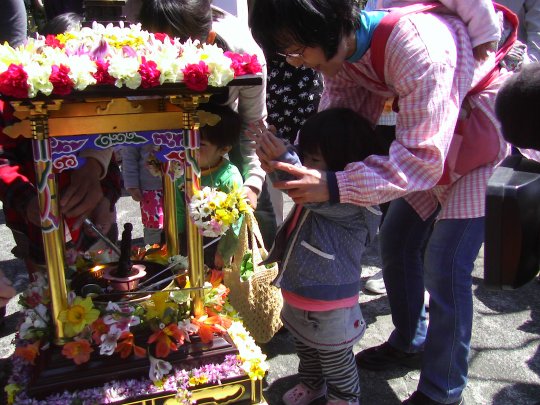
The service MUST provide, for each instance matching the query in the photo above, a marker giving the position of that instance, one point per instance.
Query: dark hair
(517, 103)
(276, 24)
(61, 23)
(227, 131)
(179, 18)
(182, 19)
(341, 135)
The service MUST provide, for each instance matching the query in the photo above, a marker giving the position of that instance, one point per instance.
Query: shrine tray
(55, 373)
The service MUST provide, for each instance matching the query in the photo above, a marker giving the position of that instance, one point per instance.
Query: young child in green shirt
(217, 172)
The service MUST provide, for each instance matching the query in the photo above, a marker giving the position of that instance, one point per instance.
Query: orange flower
(216, 277)
(28, 352)
(79, 351)
(210, 325)
(98, 328)
(157, 254)
(127, 345)
(169, 338)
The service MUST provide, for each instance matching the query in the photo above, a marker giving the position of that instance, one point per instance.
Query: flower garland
(214, 211)
(115, 55)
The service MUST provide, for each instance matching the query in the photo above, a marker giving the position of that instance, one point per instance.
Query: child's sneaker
(302, 395)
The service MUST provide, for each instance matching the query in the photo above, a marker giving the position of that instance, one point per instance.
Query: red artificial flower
(28, 352)
(149, 74)
(102, 75)
(160, 36)
(126, 344)
(244, 64)
(79, 351)
(14, 82)
(196, 76)
(33, 299)
(98, 328)
(62, 84)
(53, 42)
(169, 338)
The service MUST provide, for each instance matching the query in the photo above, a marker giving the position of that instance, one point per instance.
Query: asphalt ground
(504, 359)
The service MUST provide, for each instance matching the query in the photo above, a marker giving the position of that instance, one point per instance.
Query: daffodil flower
(79, 314)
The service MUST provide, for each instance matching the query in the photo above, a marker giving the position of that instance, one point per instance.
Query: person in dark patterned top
(292, 96)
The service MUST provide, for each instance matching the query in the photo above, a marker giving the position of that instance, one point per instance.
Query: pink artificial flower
(102, 75)
(53, 42)
(62, 84)
(196, 76)
(101, 51)
(14, 82)
(244, 64)
(149, 73)
(129, 52)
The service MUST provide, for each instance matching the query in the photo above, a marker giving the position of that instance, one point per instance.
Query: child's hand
(482, 51)
(6, 290)
(135, 193)
(268, 146)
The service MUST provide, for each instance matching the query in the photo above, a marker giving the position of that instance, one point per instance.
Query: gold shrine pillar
(190, 125)
(51, 220)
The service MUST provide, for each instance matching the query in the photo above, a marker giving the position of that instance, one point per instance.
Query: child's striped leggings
(337, 368)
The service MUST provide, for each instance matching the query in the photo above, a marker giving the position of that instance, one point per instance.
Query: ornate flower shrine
(97, 88)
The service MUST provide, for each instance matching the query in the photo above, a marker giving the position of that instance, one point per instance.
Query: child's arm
(479, 16)
(482, 24)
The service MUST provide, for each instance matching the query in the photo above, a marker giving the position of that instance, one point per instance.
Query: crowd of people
(311, 131)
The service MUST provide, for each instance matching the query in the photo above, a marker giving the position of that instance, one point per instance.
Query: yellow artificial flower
(64, 37)
(158, 306)
(196, 380)
(11, 391)
(78, 315)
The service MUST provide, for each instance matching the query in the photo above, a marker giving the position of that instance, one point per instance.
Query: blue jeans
(439, 257)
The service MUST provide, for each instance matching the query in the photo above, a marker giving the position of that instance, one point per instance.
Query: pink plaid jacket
(430, 66)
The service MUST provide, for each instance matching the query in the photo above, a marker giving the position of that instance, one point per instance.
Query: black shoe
(386, 356)
(417, 398)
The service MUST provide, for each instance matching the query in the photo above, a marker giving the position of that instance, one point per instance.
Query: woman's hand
(102, 217)
(6, 290)
(310, 185)
(84, 192)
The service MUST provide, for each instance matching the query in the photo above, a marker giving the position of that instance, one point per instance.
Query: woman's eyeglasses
(290, 55)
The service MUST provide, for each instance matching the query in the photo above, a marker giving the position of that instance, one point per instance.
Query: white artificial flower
(158, 368)
(81, 73)
(38, 79)
(125, 71)
(109, 342)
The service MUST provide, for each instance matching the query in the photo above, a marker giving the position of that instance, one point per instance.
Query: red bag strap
(388, 22)
(385, 28)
